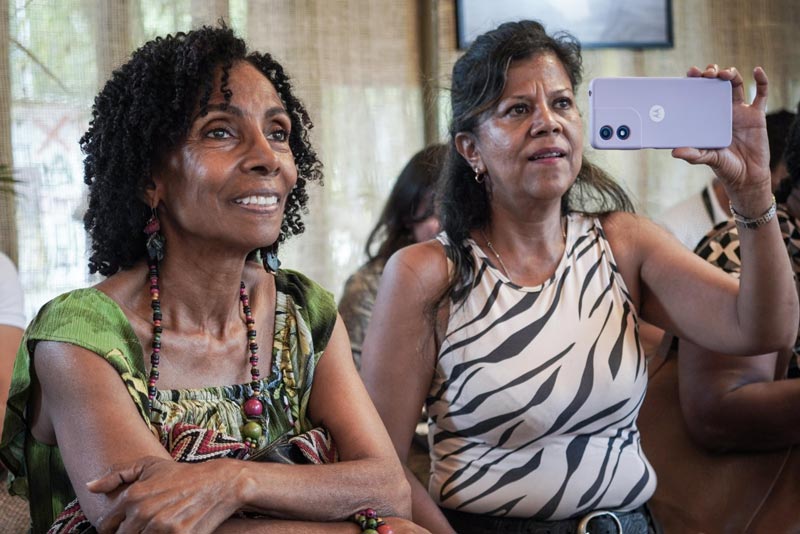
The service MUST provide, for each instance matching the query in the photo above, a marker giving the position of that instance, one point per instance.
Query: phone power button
(657, 113)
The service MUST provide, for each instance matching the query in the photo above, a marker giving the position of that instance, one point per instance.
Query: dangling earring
(155, 241)
(270, 258)
(479, 176)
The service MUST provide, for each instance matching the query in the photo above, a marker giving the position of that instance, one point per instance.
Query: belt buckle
(583, 524)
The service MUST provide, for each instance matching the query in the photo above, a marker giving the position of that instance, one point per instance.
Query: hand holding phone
(634, 113)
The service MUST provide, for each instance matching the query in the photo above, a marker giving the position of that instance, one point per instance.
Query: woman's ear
(151, 193)
(466, 146)
(160, 171)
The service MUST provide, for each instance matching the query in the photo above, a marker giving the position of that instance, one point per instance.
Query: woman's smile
(260, 202)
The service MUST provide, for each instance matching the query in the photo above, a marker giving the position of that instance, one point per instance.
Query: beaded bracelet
(748, 223)
(370, 523)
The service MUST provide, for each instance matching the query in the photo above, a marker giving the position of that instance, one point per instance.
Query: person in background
(693, 217)
(13, 510)
(12, 324)
(732, 403)
(145, 403)
(408, 217)
(518, 325)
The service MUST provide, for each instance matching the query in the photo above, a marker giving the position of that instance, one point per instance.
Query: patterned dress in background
(536, 391)
(720, 247)
(357, 302)
(305, 315)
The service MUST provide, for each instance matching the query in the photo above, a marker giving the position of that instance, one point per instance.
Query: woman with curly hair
(518, 326)
(142, 396)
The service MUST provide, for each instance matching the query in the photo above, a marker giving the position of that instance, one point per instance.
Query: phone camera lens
(606, 132)
(623, 132)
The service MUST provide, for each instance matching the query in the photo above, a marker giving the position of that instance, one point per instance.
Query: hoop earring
(479, 176)
(155, 240)
(270, 258)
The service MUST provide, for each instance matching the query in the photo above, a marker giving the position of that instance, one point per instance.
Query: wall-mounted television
(596, 23)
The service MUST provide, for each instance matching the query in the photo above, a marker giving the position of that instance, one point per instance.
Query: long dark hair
(145, 110)
(778, 125)
(413, 190)
(478, 80)
(792, 157)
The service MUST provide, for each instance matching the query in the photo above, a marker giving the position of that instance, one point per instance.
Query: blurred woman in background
(408, 217)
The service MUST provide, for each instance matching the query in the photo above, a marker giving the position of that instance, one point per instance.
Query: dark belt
(633, 522)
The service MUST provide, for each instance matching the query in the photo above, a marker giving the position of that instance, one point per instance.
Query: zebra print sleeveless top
(533, 405)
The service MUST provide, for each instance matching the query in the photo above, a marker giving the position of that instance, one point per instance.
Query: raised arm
(683, 294)
(399, 355)
(767, 307)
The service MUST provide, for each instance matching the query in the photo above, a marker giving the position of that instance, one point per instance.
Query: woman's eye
(564, 103)
(218, 133)
(518, 109)
(279, 135)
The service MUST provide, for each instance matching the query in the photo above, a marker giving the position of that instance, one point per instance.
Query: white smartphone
(633, 113)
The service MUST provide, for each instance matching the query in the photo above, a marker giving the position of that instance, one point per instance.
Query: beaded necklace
(253, 408)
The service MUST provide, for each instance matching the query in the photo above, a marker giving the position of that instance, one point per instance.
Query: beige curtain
(8, 211)
(355, 64)
(359, 66)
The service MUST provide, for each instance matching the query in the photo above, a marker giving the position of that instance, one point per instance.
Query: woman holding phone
(518, 326)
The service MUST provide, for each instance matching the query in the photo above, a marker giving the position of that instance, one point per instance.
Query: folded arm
(87, 410)
(734, 403)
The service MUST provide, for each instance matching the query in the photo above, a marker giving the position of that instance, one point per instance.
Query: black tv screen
(596, 23)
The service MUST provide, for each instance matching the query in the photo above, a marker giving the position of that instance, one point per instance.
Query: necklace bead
(253, 407)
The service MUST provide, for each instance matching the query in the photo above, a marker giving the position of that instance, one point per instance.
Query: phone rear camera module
(606, 132)
(623, 132)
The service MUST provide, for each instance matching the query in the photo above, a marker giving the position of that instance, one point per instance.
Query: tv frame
(668, 42)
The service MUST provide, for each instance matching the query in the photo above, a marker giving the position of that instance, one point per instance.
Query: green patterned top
(305, 315)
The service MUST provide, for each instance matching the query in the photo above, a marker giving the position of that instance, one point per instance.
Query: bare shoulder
(620, 224)
(632, 239)
(630, 233)
(420, 267)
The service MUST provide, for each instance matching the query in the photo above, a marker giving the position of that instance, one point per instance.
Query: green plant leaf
(7, 179)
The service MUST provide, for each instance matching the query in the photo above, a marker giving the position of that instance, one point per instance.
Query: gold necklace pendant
(497, 255)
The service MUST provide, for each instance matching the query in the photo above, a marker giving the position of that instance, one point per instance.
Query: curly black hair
(145, 110)
(478, 80)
